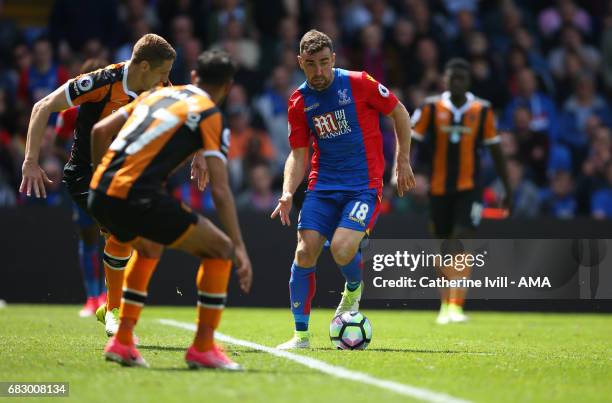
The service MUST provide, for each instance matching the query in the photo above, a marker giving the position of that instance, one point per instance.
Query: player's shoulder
(483, 103)
(297, 96)
(432, 100)
(106, 75)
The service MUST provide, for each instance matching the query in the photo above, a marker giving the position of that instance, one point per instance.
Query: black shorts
(160, 218)
(76, 178)
(453, 213)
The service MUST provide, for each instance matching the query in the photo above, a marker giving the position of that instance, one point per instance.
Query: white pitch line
(334, 370)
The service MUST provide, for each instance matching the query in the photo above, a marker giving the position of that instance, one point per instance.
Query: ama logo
(331, 124)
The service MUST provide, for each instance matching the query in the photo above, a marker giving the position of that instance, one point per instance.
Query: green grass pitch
(498, 357)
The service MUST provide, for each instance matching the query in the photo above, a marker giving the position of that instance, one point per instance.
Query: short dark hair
(314, 41)
(153, 49)
(215, 67)
(457, 63)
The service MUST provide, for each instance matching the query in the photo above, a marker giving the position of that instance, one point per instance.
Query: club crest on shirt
(343, 98)
(331, 124)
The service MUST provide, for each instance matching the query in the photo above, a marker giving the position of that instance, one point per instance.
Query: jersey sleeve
(489, 131)
(215, 135)
(89, 87)
(298, 130)
(377, 95)
(421, 119)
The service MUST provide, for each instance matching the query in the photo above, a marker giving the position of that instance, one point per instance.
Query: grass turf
(501, 357)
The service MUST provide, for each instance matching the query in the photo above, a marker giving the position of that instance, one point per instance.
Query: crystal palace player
(338, 111)
(452, 128)
(164, 128)
(99, 94)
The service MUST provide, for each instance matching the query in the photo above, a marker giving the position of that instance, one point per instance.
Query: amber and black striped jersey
(163, 129)
(99, 94)
(454, 136)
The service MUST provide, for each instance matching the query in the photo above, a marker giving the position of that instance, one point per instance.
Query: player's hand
(244, 269)
(33, 177)
(405, 177)
(283, 208)
(199, 171)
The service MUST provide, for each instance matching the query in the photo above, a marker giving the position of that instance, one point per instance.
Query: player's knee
(150, 250)
(304, 257)
(342, 252)
(223, 248)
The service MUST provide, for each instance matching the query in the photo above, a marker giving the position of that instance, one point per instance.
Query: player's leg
(316, 223)
(359, 214)
(138, 273)
(215, 250)
(116, 257)
(441, 222)
(89, 261)
(468, 210)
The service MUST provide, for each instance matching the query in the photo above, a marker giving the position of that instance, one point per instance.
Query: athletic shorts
(77, 177)
(159, 218)
(455, 212)
(326, 210)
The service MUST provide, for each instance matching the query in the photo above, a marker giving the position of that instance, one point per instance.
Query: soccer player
(88, 230)
(127, 196)
(98, 94)
(338, 112)
(452, 128)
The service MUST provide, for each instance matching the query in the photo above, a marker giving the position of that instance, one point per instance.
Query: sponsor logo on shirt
(311, 107)
(331, 124)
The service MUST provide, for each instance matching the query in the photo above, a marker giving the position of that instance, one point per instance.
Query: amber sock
(116, 257)
(213, 277)
(137, 276)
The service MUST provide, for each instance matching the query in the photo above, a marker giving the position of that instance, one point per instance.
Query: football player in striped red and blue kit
(338, 112)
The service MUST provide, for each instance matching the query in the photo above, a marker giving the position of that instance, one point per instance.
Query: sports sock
(352, 272)
(213, 277)
(90, 264)
(457, 301)
(116, 256)
(137, 276)
(302, 285)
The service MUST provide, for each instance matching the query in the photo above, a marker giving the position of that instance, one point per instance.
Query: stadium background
(545, 65)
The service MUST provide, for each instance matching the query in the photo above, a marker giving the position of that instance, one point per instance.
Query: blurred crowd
(545, 65)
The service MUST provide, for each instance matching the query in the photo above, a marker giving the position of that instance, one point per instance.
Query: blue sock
(90, 265)
(301, 290)
(352, 272)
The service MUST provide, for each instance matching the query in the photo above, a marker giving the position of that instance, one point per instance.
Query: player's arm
(492, 140)
(500, 167)
(33, 176)
(103, 133)
(226, 208)
(295, 169)
(401, 123)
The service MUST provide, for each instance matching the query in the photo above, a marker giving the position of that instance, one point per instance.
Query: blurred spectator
(571, 42)
(425, 71)
(533, 146)
(526, 195)
(259, 197)
(606, 45)
(272, 105)
(43, 76)
(542, 108)
(601, 204)
(401, 48)
(566, 12)
(558, 200)
(246, 48)
(370, 56)
(182, 34)
(138, 28)
(583, 104)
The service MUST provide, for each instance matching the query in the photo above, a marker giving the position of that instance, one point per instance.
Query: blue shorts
(326, 210)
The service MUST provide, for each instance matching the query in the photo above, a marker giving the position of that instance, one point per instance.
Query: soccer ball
(350, 331)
